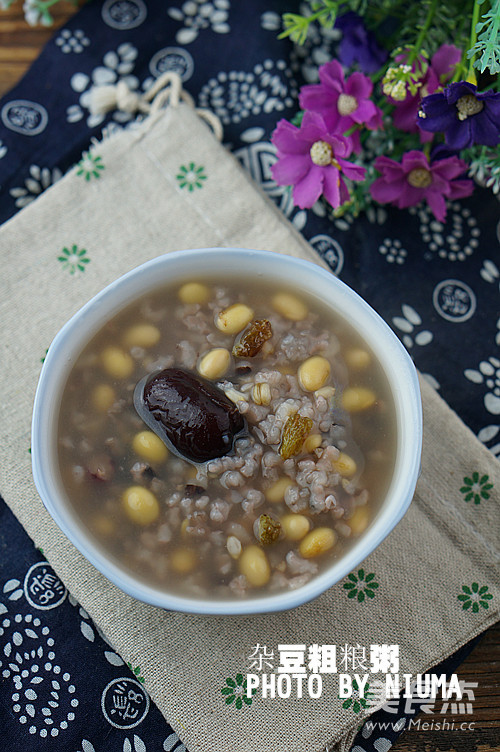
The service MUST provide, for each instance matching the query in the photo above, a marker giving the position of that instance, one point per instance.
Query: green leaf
(483, 589)
(361, 574)
(369, 577)
(369, 594)
(465, 489)
(487, 597)
(247, 700)
(356, 707)
(296, 27)
(352, 577)
(227, 691)
(484, 604)
(231, 682)
(352, 594)
(361, 596)
(468, 481)
(347, 703)
(229, 699)
(475, 608)
(137, 670)
(239, 679)
(239, 703)
(373, 585)
(463, 597)
(475, 587)
(466, 605)
(475, 476)
(349, 586)
(483, 479)
(466, 589)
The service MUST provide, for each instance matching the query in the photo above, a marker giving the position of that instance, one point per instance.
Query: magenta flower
(440, 70)
(313, 160)
(342, 103)
(414, 179)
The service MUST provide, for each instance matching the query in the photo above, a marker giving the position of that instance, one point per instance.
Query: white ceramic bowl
(76, 333)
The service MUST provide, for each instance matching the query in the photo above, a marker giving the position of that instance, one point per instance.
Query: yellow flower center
(346, 104)
(321, 153)
(420, 178)
(468, 105)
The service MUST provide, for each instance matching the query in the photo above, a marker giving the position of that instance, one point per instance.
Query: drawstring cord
(166, 89)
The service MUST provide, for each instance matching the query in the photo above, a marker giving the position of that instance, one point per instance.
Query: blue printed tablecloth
(436, 284)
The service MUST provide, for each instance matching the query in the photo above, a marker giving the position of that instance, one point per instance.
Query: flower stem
(471, 76)
(43, 5)
(423, 31)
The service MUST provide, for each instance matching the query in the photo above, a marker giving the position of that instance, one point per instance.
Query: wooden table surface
(20, 44)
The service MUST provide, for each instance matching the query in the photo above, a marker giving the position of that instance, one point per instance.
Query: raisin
(295, 431)
(268, 530)
(253, 338)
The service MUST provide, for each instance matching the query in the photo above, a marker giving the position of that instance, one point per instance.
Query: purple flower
(358, 45)
(313, 160)
(342, 103)
(414, 179)
(439, 71)
(465, 116)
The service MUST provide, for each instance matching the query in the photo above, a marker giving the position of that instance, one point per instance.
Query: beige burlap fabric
(58, 252)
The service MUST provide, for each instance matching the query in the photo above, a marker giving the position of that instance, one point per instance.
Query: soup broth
(305, 463)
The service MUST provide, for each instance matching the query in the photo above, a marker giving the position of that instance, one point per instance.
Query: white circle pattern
(25, 117)
(454, 300)
(124, 14)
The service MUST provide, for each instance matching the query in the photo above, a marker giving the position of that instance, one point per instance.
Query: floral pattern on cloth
(475, 597)
(74, 259)
(436, 283)
(191, 176)
(47, 644)
(361, 585)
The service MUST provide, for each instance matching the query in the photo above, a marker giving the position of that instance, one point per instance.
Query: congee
(226, 438)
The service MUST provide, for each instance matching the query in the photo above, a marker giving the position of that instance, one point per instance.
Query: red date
(192, 416)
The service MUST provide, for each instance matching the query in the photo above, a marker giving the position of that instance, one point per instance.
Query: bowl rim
(69, 341)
